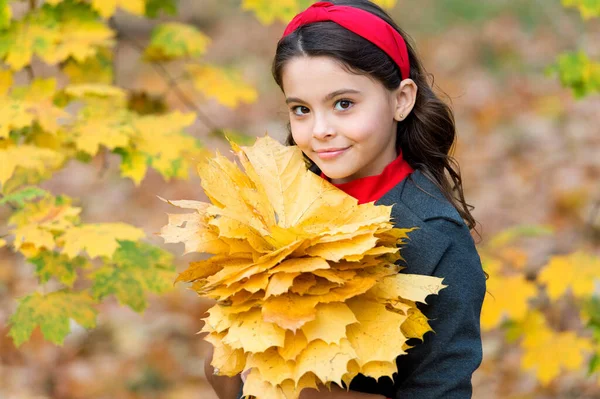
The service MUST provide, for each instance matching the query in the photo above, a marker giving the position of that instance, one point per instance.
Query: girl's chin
(335, 175)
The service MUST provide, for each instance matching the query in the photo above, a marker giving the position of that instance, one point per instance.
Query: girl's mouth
(331, 153)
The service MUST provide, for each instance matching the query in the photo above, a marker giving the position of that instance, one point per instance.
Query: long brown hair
(426, 135)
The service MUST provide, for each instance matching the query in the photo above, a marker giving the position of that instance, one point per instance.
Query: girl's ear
(404, 98)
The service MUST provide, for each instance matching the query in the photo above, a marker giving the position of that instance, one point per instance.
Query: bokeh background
(529, 154)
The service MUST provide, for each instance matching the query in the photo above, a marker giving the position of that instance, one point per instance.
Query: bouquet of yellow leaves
(305, 279)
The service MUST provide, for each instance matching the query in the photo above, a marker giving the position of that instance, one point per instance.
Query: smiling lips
(328, 153)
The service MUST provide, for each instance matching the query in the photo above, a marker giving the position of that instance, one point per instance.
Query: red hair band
(361, 22)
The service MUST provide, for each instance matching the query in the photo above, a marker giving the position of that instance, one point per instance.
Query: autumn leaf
(98, 125)
(80, 32)
(153, 7)
(106, 8)
(302, 274)
(576, 272)
(134, 269)
(577, 71)
(588, 8)
(568, 350)
(385, 3)
(160, 143)
(34, 34)
(226, 86)
(55, 32)
(5, 14)
(98, 239)
(507, 296)
(269, 11)
(52, 313)
(175, 40)
(38, 223)
(52, 264)
(94, 69)
(20, 197)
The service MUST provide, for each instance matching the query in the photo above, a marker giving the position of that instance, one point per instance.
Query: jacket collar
(422, 197)
(415, 201)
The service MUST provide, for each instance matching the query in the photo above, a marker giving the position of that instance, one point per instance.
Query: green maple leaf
(52, 313)
(153, 7)
(135, 268)
(19, 198)
(176, 40)
(5, 14)
(50, 264)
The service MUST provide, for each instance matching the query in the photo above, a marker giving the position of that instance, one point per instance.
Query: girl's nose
(322, 129)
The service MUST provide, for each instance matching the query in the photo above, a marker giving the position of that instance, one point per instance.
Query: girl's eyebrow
(327, 97)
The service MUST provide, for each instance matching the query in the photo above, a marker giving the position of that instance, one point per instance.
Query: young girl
(366, 118)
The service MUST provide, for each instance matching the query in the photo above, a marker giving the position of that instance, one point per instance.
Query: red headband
(361, 22)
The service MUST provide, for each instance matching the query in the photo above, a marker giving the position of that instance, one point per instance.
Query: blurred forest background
(528, 146)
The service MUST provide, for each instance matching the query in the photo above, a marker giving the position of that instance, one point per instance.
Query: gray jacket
(442, 365)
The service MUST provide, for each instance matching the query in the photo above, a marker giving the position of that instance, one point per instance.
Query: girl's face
(343, 122)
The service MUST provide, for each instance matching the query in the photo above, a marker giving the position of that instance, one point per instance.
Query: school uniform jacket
(441, 366)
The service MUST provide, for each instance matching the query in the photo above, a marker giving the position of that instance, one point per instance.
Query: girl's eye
(346, 104)
(299, 107)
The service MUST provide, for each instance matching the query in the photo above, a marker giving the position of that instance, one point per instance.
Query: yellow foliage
(385, 3)
(158, 142)
(106, 8)
(27, 104)
(98, 239)
(97, 69)
(55, 34)
(268, 11)
(27, 157)
(506, 296)
(577, 271)
(98, 125)
(176, 40)
(567, 350)
(37, 223)
(305, 279)
(588, 9)
(226, 86)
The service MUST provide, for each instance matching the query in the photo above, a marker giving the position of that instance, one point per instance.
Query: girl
(366, 119)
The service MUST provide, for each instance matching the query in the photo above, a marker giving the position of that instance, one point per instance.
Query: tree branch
(171, 81)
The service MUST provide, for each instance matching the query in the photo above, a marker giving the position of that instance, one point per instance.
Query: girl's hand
(225, 387)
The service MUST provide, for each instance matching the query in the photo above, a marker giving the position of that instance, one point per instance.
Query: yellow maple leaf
(226, 86)
(507, 296)
(96, 69)
(172, 40)
(302, 274)
(98, 239)
(97, 125)
(28, 37)
(268, 11)
(159, 142)
(37, 101)
(588, 9)
(548, 352)
(27, 157)
(37, 223)
(79, 39)
(106, 8)
(6, 81)
(577, 271)
(385, 3)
